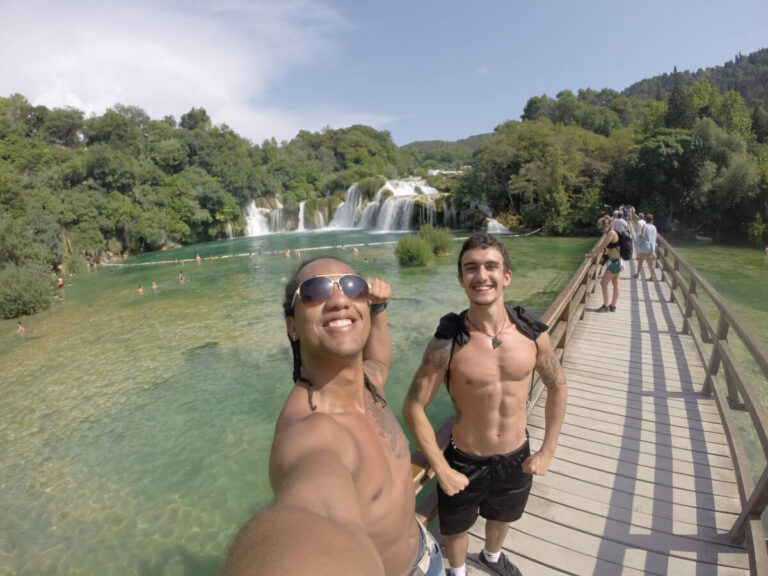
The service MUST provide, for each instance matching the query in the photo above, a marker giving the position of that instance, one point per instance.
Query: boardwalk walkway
(642, 481)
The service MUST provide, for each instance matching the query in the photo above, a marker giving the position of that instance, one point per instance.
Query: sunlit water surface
(135, 429)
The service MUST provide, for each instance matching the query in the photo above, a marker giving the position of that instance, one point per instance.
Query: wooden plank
(606, 550)
(641, 380)
(701, 498)
(701, 412)
(600, 439)
(721, 520)
(554, 555)
(587, 450)
(643, 521)
(527, 563)
(592, 357)
(607, 391)
(714, 549)
(657, 414)
(649, 473)
(631, 434)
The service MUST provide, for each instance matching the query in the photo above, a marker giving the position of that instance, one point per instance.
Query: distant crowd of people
(643, 237)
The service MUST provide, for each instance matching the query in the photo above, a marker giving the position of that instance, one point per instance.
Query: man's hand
(452, 481)
(379, 292)
(537, 463)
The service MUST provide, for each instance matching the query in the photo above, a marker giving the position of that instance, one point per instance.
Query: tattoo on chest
(389, 429)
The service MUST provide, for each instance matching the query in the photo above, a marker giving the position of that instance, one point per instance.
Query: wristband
(379, 307)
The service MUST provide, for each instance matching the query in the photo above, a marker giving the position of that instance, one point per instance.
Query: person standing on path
(646, 247)
(612, 260)
(485, 356)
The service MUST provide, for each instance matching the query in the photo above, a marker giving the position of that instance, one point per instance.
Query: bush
(24, 289)
(440, 239)
(413, 251)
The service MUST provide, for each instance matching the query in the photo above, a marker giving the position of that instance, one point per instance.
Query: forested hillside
(747, 75)
(694, 153)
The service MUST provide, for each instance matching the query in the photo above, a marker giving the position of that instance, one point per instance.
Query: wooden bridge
(650, 474)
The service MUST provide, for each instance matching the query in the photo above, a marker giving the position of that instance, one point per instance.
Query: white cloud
(168, 57)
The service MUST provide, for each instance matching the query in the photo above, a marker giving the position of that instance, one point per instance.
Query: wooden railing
(561, 317)
(728, 382)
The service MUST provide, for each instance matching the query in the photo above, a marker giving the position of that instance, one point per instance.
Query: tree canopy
(691, 148)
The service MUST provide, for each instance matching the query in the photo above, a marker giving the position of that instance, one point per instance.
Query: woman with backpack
(612, 260)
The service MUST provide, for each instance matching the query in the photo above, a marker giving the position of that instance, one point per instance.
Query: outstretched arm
(552, 375)
(377, 353)
(314, 525)
(426, 382)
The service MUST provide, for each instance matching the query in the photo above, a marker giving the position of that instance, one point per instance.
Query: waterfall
(345, 215)
(300, 226)
(256, 219)
(390, 210)
(392, 214)
(495, 227)
(229, 230)
(449, 214)
(431, 212)
(395, 214)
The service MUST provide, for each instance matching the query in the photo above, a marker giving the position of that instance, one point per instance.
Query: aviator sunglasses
(319, 288)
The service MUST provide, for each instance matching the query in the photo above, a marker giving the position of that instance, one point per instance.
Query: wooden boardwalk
(642, 481)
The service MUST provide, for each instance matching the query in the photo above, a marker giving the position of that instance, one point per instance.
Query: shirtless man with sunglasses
(340, 464)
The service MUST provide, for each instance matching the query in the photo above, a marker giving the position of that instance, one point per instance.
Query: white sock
(492, 556)
(460, 571)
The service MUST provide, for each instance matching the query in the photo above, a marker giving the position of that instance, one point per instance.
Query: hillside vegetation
(692, 148)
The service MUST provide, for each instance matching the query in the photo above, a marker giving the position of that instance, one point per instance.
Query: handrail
(732, 389)
(567, 310)
(561, 317)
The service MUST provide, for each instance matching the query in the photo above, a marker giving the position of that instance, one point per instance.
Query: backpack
(625, 247)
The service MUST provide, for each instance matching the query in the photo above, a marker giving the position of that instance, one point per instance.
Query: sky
(421, 69)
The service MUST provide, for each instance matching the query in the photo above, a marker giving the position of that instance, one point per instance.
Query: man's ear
(290, 326)
(507, 277)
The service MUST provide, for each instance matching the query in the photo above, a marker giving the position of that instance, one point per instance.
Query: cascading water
(431, 212)
(390, 210)
(300, 226)
(257, 220)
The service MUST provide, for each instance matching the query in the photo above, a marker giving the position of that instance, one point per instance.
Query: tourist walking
(646, 247)
(612, 261)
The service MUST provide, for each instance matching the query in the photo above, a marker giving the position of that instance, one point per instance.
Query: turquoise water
(740, 275)
(135, 429)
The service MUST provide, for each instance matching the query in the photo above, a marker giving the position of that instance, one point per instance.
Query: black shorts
(498, 489)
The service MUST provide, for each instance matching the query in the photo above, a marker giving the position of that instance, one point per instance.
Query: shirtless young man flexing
(486, 356)
(340, 465)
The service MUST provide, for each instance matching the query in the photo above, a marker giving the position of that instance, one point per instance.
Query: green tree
(680, 108)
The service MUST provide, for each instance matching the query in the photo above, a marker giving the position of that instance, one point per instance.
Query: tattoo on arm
(436, 356)
(551, 373)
